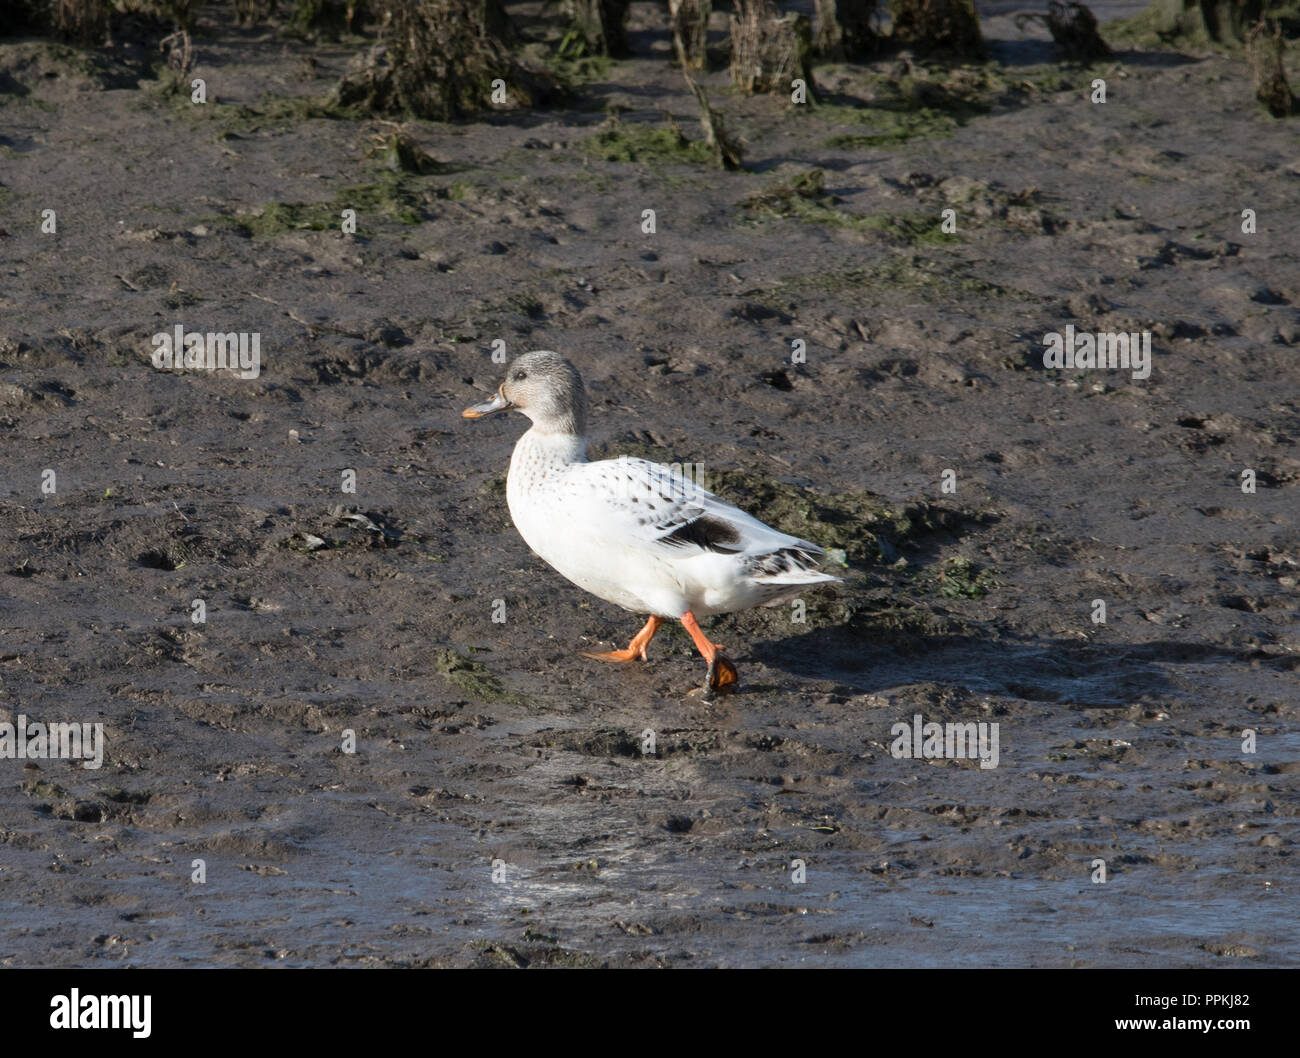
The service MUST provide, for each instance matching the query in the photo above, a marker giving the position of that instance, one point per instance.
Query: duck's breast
(554, 511)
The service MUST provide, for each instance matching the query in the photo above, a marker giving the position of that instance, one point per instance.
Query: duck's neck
(553, 448)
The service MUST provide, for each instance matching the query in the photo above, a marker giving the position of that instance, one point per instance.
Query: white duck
(633, 532)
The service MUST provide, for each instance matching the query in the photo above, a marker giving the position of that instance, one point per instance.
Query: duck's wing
(649, 505)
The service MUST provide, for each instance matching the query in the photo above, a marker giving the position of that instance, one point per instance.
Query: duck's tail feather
(795, 566)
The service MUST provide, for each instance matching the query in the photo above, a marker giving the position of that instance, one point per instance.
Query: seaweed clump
(443, 60)
(1073, 28)
(472, 677)
(939, 27)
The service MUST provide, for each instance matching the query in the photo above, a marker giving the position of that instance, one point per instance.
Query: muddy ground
(479, 741)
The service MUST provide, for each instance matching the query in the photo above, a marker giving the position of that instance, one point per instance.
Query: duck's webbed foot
(720, 679)
(722, 674)
(635, 649)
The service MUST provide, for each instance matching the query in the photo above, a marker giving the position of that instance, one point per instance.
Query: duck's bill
(497, 403)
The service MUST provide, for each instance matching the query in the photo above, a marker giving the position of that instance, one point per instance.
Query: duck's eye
(520, 375)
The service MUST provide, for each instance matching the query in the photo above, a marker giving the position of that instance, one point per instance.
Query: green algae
(472, 677)
(912, 107)
(959, 578)
(804, 197)
(571, 65)
(893, 128)
(646, 144)
(389, 198)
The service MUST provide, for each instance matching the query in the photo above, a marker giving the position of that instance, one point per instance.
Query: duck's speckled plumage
(629, 531)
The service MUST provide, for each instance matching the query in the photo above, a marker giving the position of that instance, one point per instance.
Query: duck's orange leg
(636, 648)
(722, 673)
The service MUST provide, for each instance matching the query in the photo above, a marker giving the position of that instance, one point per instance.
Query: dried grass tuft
(690, 24)
(443, 60)
(769, 50)
(1264, 51)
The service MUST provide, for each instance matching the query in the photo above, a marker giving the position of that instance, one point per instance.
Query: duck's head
(546, 388)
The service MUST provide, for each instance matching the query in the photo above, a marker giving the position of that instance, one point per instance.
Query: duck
(637, 534)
